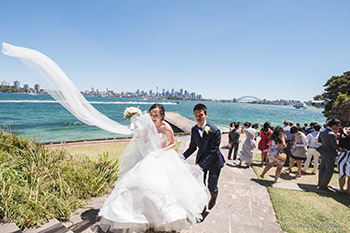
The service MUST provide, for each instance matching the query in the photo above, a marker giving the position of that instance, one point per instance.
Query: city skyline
(182, 93)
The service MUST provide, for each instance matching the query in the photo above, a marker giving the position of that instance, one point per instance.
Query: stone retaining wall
(341, 112)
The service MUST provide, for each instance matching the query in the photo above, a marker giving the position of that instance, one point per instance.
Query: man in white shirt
(313, 144)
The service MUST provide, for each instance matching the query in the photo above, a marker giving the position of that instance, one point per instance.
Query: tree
(333, 87)
(11, 89)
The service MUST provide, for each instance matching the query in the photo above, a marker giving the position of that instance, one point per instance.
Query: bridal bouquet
(129, 113)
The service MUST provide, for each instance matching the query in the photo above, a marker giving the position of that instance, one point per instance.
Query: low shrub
(37, 184)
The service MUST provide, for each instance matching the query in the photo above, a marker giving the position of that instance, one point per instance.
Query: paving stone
(287, 185)
(9, 228)
(259, 194)
(53, 226)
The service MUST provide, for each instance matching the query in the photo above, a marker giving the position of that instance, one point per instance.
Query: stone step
(9, 228)
(53, 226)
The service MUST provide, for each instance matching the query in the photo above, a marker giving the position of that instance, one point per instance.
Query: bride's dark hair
(161, 109)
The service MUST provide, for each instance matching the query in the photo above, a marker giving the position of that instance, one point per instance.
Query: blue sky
(271, 49)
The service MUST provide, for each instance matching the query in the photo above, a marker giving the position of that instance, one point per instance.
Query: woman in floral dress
(277, 144)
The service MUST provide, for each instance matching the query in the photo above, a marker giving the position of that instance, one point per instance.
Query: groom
(207, 138)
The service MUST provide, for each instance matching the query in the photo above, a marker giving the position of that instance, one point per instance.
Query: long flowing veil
(52, 78)
(144, 142)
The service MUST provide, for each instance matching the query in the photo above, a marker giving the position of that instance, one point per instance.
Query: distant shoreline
(263, 102)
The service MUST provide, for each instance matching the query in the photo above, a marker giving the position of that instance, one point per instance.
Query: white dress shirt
(312, 139)
(200, 130)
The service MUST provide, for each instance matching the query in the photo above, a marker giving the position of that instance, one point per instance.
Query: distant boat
(300, 105)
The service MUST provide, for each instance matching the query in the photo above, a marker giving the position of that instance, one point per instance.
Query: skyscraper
(37, 88)
(16, 84)
(4, 83)
(26, 87)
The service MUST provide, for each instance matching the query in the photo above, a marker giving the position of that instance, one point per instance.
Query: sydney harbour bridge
(247, 98)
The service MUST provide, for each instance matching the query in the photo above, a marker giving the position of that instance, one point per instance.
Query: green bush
(341, 98)
(37, 184)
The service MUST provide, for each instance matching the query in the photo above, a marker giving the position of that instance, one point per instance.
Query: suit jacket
(329, 144)
(234, 136)
(208, 155)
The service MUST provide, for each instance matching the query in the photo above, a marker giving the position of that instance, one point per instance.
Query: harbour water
(41, 118)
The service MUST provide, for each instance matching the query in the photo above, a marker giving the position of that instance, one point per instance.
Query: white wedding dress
(157, 189)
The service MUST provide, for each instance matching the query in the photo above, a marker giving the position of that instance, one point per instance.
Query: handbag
(281, 156)
(299, 151)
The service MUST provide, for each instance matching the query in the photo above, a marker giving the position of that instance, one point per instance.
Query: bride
(157, 188)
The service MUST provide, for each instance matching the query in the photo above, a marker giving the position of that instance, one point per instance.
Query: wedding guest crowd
(290, 144)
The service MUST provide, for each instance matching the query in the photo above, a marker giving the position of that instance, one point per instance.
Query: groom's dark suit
(209, 157)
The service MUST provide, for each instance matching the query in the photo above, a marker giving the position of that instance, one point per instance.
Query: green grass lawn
(114, 149)
(299, 211)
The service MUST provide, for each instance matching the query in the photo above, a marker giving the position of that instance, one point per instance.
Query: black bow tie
(199, 128)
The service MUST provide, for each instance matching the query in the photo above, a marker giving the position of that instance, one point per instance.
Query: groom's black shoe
(203, 214)
(212, 203)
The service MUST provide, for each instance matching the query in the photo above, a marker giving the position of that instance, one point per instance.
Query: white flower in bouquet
(131, 111)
